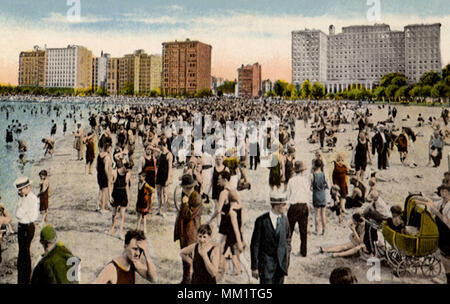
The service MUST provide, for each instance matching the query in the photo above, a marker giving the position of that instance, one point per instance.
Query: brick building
(249, 81)
(186, 67)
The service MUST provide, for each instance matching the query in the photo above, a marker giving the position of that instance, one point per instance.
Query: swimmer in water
(23, 147)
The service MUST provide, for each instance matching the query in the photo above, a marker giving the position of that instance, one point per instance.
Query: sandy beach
(74, 193)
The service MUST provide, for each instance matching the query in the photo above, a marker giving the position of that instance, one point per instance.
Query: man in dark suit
(380, 143)
(270, 245)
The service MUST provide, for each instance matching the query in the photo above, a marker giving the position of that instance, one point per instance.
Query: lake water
(37, 127)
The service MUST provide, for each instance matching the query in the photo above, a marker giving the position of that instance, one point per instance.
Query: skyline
(253, 32)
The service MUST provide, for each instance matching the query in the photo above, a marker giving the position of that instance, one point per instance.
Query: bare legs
(45, 216)
(222, 264)
(219, 216)
(103, 199)
(403, 157)
(162, 198)
(342, 205)
(115, 218)
(142, 221)
(236, 260)
(321, 220)
(347, 249)
(361, 174)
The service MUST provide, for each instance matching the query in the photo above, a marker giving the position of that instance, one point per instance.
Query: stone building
(363, 54)
(32, 68)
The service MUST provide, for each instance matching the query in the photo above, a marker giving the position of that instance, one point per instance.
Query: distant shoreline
(121, 99)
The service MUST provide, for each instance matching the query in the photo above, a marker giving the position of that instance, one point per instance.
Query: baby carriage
(410, 252)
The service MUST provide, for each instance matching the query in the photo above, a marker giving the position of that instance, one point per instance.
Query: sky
(239, 31)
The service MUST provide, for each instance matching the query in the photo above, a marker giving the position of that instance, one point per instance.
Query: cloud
(236, 37)
(60, 18)
(175, 7)
(155, 21)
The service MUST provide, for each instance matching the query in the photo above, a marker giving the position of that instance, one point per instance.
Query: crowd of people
(214, 173)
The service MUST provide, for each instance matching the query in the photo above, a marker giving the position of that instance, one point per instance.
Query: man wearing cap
(299, 195)
(188, 219)
(27, 213)
(55, 266)
(270, 244)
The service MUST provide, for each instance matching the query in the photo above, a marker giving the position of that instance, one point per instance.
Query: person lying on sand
(356, 240)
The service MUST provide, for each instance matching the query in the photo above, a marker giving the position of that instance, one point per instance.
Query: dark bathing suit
(123, 276)
(119, 193)
(150, 170)
(200, 274)
(101, 173)
(43, 199)
(163, 170)
(216, 189)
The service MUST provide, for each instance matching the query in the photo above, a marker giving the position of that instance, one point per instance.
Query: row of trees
(393, 87)
(127, 90)
(282, 88)
(16, 90)
(227, 88)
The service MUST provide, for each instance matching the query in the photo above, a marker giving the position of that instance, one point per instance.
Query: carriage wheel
(394, 257)
(431, 267)
(177, 197)
(403, 268)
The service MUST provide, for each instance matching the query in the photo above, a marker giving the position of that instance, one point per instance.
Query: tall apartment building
(147, 72)
(267, 86)
(363, 54)
(155, 72)
(186, 67)
(249, 81)
(32, 68)
(69, 67)
(125, 71)
(100, 71)
(113, 76)
(309, 56)
(422, 50)
(143, 71)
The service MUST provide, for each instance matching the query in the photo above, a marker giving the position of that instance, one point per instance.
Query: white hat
(278, 197)
(22, 182)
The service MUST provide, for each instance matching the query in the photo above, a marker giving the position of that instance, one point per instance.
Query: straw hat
(278, 198)
(22, 182)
